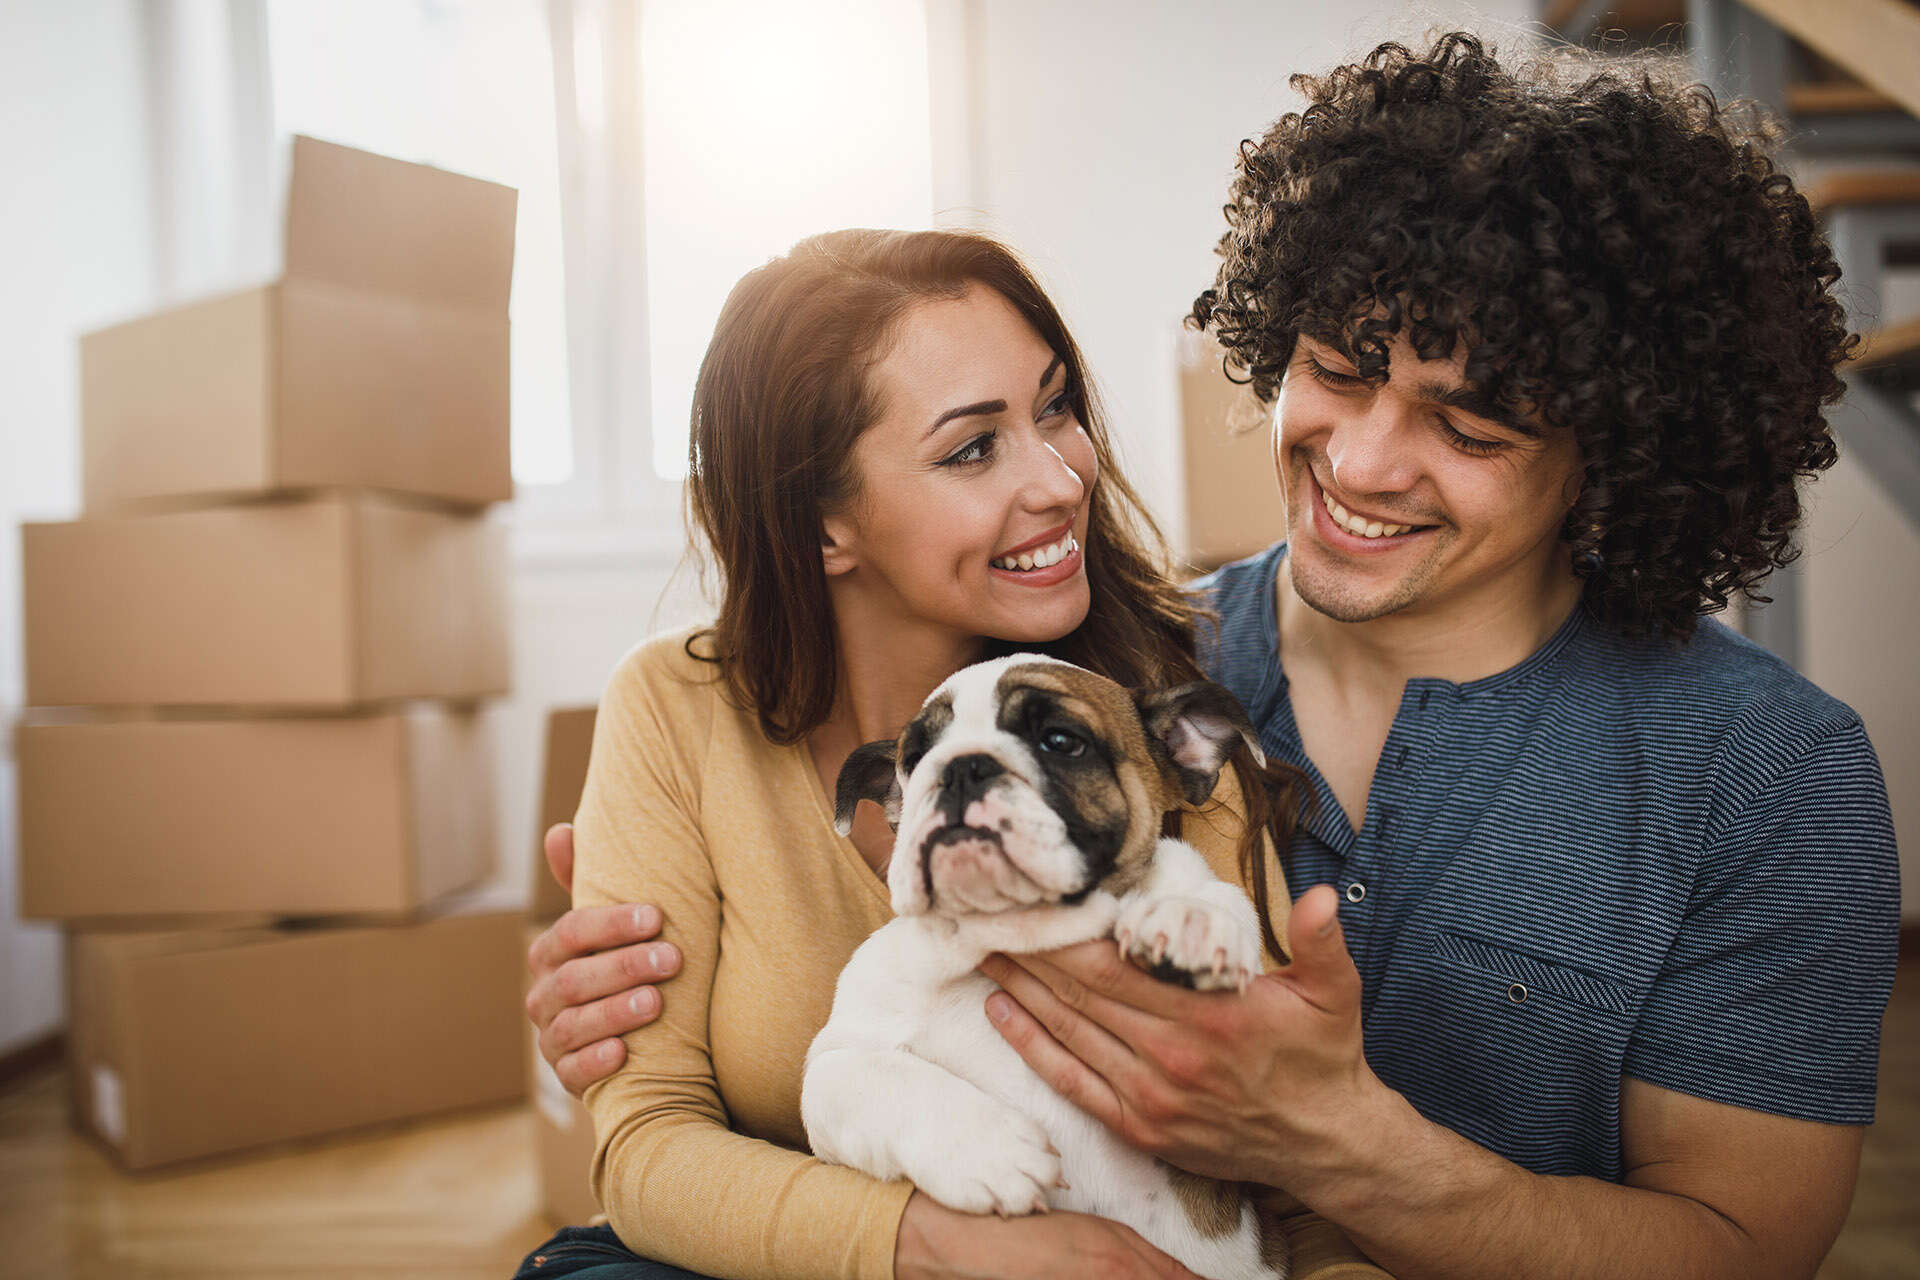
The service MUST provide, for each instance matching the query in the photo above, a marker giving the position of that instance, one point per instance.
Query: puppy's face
(1027, 780)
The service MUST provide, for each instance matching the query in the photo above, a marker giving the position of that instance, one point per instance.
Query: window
(465, 85)
(766, 122)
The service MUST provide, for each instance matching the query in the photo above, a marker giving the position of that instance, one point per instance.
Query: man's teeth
(1041, 557)
(1355, 525)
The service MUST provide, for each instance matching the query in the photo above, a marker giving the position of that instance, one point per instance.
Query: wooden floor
(455, 1199)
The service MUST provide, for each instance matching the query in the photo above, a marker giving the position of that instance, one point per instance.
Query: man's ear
(868, 774)
(1197, 725)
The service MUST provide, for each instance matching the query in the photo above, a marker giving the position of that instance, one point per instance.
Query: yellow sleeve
(677, 1184)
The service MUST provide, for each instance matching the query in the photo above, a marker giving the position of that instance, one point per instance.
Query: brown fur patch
(1212, 1207)
(1143, 794)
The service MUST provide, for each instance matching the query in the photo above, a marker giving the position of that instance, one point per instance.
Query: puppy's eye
(1059, 742)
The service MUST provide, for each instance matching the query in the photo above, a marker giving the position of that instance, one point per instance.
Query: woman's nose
(1047, 482)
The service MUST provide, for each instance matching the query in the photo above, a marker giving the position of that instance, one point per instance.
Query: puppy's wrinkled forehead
(1011, 695)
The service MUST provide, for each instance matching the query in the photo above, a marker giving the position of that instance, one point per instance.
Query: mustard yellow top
(701, 1156)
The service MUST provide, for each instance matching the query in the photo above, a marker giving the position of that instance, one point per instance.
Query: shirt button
(1356, 892)
(1517, 993)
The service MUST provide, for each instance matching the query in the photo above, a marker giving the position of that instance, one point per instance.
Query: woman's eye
(1062, 403)
(1061, 743)
(978, 449)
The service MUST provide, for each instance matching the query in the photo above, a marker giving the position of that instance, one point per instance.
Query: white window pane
(466, 85)
(766, 122)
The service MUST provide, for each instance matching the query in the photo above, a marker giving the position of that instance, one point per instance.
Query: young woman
(897, 464)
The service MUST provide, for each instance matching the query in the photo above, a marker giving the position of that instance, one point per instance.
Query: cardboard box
(563, 1141)
(569, 746)
(1235, 507)
(322, 602)
(199, 1043)
(379, 359)
(321, 815)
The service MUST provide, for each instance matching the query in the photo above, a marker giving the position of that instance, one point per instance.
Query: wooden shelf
(1867, 187)
(1836, 98)
(1894, 347)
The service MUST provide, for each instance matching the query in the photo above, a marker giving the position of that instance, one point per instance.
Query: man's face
(1465, 503)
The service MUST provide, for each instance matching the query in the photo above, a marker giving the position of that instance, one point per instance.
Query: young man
(1604, 898)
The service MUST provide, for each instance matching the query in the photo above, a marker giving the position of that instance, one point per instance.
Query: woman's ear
(836, 546)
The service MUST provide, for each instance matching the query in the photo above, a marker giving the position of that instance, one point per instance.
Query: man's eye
(1059, 742)
(1320, 373)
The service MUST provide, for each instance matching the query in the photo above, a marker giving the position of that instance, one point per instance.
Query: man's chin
(1326, 590)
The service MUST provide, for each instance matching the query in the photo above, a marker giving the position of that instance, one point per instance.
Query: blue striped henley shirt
(1618, 858)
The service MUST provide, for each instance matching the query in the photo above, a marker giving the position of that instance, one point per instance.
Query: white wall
(75, 223)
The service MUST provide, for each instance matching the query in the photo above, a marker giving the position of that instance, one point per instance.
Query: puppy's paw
(999, 1162)
(1190, 941)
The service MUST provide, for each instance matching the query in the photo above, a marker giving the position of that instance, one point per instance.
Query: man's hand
(591, 975)
(1233, 1087)
(936, 1243)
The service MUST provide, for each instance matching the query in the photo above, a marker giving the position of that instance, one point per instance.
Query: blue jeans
(593, 1253)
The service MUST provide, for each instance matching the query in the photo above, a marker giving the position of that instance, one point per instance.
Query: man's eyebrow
(988, 406)
(1469, 400)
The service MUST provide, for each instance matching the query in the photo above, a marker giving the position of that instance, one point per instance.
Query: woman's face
(977, 466)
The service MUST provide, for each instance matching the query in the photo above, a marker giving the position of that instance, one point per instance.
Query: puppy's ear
(868, 774)
(1197, 724)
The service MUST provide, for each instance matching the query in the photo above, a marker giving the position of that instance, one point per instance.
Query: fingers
(1062, 1069)
(589, 978)
(582, 1042)
(595, 1062)
(559, 848)
(1093, 980)
(585, 930)
(1322, 971)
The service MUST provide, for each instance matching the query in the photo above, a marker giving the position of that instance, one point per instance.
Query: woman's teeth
(1355, 525)
(1040, 558)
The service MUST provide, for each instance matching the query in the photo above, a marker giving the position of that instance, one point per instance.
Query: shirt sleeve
(678, 1185)
(1771, 995)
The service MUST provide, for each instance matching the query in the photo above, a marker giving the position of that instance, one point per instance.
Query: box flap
(378, 225)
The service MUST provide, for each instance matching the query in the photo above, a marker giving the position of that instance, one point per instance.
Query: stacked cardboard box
(256, 778)
(563, 1136)
(1235, 507)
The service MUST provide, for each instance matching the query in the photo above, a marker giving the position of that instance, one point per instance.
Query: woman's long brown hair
(782, 396)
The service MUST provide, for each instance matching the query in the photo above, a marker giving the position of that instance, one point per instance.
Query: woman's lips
(1052, 575)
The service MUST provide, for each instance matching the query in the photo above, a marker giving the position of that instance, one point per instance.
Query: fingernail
(999, 1006)
(644, 1001)
(994, 965)
(662, 955)
(645, 919)
(1326, 927)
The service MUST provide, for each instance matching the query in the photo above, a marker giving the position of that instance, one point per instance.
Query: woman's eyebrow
(967, 411)
(989, 406)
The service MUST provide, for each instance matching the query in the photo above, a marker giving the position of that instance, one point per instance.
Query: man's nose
(964, 780)
(1369, 452)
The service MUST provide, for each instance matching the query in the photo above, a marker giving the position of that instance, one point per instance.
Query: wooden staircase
(1845, 77)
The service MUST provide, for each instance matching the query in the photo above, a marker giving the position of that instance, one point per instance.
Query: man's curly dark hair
(1617, 254)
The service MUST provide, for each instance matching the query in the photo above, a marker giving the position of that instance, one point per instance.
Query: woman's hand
(937, 1243)
(592, 972)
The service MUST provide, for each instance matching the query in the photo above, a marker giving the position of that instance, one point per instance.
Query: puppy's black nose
(965, 779)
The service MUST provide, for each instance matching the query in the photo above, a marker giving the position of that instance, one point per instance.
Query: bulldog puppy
(1027, 799)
